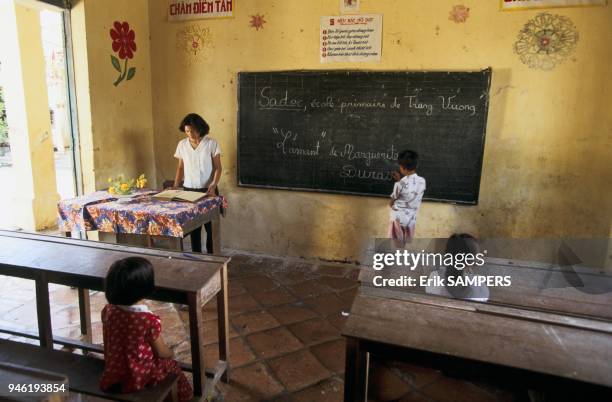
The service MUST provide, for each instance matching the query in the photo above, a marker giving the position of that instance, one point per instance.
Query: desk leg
(176, 243)
(356, 372)
(82, 235)
(216, 230)
(85, 314)
(43, 312)
(222, 313)
(196, 332)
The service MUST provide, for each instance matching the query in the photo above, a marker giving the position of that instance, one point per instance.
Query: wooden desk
(539, 338)
(168, 242)
(142, 221)
(179, 278)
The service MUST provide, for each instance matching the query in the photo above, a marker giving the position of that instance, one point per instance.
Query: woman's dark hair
(196, 122)
(408, 159)
(129, 280)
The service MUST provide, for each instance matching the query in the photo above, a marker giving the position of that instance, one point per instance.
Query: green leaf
(131, 73)
(115, 62)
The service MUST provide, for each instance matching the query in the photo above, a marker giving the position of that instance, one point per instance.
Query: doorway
(54, 47)
(54, 26)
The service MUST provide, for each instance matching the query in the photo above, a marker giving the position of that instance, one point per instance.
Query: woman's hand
(216, 160)
(211, 190)
(180, 174)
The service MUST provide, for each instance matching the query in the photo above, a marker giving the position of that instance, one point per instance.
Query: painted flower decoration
(257, 21)
(459, 13)
(123, 40)
(546, 40)
(194, 40)
(124, 45)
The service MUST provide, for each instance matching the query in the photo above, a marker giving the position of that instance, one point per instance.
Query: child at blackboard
(135, 355)
(405, 198)
(199, 168)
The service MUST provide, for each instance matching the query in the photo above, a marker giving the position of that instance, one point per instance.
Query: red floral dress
(130, 362)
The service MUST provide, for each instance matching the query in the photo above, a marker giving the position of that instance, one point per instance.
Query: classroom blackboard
(341, 131)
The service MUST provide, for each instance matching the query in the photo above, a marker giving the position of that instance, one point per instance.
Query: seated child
(405, 198)
(458, 244)
(135, 354)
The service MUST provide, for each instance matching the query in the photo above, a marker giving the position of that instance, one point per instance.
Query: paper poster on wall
(351, 38)
(183, 10)
(509, 5)
(349, 6)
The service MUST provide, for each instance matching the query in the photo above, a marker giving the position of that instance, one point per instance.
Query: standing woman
(199, 168)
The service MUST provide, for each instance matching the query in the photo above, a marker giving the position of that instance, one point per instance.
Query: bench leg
(196, 332)
(222, 315)
(173, 395)
(356, 372)
(43, 312)
(85, 314)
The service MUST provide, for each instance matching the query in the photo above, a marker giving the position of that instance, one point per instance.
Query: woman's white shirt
(198, 164)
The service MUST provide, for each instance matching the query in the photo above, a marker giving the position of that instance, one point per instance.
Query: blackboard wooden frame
(487, 72)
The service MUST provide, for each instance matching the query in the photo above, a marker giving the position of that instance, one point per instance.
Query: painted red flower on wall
(257, 21)
(459, 13)
(124, 45)
(123, 40)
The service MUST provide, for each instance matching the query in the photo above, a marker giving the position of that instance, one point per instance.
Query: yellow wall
(546, 166)
(115, 123)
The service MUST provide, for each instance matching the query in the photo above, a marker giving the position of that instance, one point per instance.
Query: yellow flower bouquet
(122, 186)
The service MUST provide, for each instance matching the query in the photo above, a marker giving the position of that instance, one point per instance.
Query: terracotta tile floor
(285, 319)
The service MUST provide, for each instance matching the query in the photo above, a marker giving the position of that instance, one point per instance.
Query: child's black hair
(196, 122)
(129, 280)
(460, 244)
(408, 159)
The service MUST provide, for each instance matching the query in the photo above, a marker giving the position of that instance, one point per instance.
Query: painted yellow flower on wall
(195, 41)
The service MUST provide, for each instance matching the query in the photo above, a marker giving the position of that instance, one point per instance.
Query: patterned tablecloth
(140, 215)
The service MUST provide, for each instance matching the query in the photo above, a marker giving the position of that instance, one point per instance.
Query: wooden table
(100, 203)
(179, 278)
(168, 242)
(542, 338)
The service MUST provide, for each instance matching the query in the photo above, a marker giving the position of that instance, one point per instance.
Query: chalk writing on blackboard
(285, 102)
(339, 131)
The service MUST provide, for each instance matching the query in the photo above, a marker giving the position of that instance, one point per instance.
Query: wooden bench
(179, 278)
(83, 372)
